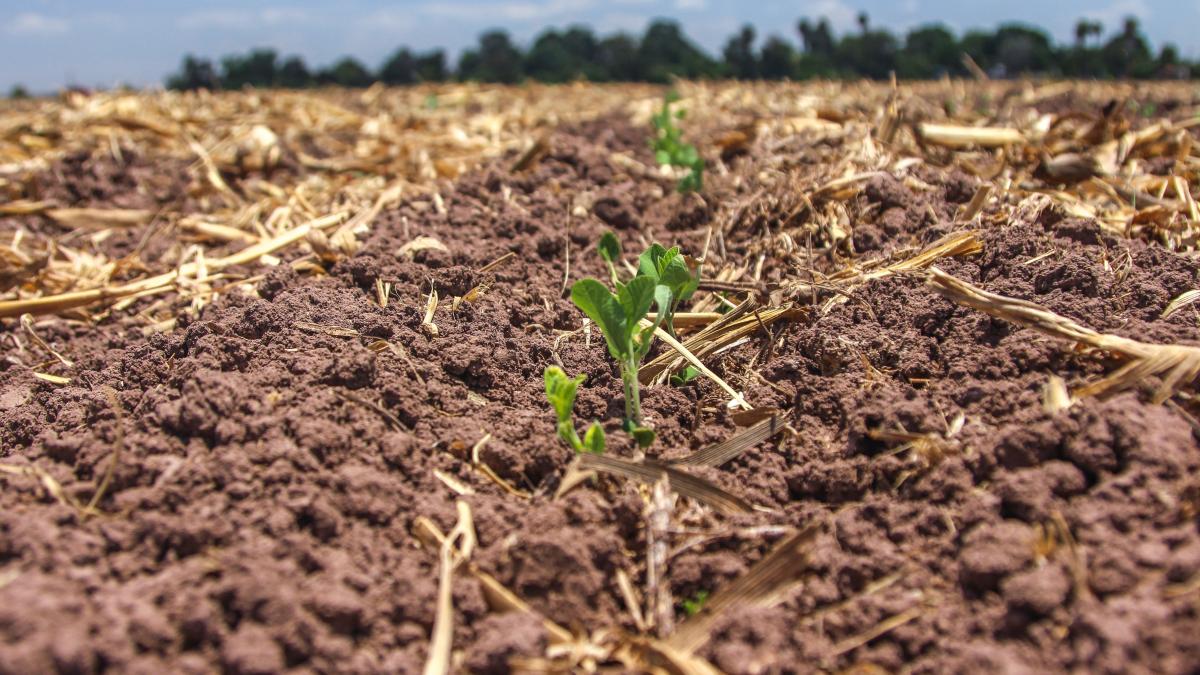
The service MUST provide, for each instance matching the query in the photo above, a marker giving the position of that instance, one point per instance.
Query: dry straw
(1175, 365)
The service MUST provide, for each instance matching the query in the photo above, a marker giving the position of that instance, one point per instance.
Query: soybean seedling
(662, 280)
(610, 250)
(670, 150)
(560, 391)
(619, 317)
(692, 607)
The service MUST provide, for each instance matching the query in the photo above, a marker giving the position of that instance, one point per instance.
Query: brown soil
(259, 517)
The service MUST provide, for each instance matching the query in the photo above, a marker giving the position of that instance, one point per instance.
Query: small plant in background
(610, 250)
(684, 376)
(670, 150)
(560, 391)
(692, 607)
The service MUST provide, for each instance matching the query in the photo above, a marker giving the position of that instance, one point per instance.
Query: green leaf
(686, 375)
(675, 273)
(593, 439)
(560, 391)
(648, 261)
(662, 157)
(636, 297)
(643, 435)
(664, 300)
(692, 607)
(693, 182)
(599, 304)
(610, 248)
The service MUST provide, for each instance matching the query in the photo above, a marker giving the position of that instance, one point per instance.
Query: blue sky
(45, 44)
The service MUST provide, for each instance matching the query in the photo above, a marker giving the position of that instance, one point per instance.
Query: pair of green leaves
(560, 391)
(619, 314)
(666, 267)
(669, 268)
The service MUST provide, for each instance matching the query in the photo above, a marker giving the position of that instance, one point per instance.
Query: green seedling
(560, 391)
(670, 150)
(610, 250)
(692, 607)
(684, 376)
(619, 317)
(663, 280)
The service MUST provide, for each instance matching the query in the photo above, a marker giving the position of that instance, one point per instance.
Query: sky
(47, 44)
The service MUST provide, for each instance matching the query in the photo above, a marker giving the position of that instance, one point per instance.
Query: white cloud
(519, 10)
(690, 5)
(389, 20)
(240, 19)
(277, 15)
(620, 22)
(32, 23)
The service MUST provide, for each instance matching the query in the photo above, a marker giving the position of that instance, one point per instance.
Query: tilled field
(971, 443)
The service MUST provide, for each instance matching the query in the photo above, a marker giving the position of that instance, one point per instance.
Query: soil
(259, 516)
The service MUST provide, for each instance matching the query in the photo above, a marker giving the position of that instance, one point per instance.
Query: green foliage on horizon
(663, 52)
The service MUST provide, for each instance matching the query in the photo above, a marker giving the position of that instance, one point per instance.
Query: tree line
(664, 52)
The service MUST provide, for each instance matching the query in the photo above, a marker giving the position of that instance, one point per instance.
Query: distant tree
(871, 54)
(740, 60)
(1085, 29)
(617, 57)
(1084, 60)
(194, 74)
(468, 65)
(496, 60)
(399, 68)
(819, 58)
(259, 68)
(1012, 50)
(1022, 49)
(346, 72)
(431, 66)
(1170, 66)
(665, 52)
(18, 92)
(294, 74)
(548, 60)
(777, 60)
(817, 39)
(1127, 54)
(583, 49)
(929, 51)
